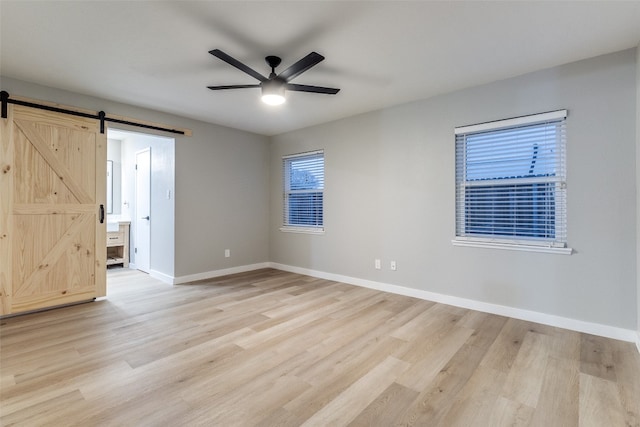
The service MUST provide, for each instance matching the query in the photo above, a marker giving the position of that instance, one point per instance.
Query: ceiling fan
(274, 86)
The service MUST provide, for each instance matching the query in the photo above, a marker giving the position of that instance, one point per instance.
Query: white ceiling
(380, 53)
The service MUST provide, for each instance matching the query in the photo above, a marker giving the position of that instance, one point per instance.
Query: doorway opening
(142, 197)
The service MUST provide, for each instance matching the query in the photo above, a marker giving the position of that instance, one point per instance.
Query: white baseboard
(218, 273)
(638, 339)
(161, 276)
(517, 313)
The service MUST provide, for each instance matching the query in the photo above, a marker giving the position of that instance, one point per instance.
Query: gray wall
(390, 194)
(221, 190)
(222, 199)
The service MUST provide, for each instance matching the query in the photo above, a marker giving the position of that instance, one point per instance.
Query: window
(303, 176)
(510, 183)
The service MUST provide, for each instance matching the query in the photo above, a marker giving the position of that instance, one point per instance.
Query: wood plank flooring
(271, 348)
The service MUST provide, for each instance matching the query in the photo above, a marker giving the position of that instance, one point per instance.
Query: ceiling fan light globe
(273, 99)
(272, 93)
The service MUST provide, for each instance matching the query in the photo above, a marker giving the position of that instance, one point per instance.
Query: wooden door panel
(50, 245)
(46, 299)
(7, 173)
(57, 247)
(83, 124)
(33, 238)
(58, 259)
(36, 181)
(65, 153)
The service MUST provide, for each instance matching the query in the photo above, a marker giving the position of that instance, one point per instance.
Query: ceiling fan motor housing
(273, 84)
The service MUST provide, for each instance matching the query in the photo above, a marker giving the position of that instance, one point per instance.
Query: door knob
(145, 217)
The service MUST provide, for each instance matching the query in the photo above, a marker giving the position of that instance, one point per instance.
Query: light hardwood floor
(272, 348)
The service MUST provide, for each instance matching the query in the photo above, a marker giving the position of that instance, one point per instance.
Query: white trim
(161, 276)
(217, 273)
(516, 121)
(305, 230)
(306, 153)
(517, 313)
(512, 247)
(638, 341)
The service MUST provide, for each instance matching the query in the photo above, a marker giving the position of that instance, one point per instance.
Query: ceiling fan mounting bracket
(273, 61)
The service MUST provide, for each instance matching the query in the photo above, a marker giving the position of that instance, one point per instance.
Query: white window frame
(287, 192)
(557, 244)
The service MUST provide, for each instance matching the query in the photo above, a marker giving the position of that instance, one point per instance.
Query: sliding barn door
(52, 183)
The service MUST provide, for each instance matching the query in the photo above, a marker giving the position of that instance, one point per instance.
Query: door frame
(163, 187)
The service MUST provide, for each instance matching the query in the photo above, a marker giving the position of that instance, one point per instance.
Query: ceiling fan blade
(301, 66)
(314, 89)
(239, 65)
(231, 87)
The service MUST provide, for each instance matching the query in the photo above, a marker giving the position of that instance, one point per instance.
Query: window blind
(303, 176)
(511, 180)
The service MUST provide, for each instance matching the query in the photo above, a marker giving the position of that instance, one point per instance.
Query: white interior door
(143, 210)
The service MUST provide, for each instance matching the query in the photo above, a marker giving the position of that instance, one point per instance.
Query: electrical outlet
(227, 253)
(393, 266)
(378, 264)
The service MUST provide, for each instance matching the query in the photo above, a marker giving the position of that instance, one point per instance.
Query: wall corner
(638, 196)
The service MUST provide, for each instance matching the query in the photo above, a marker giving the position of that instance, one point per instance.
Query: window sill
(302, 230)
(513, 247)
